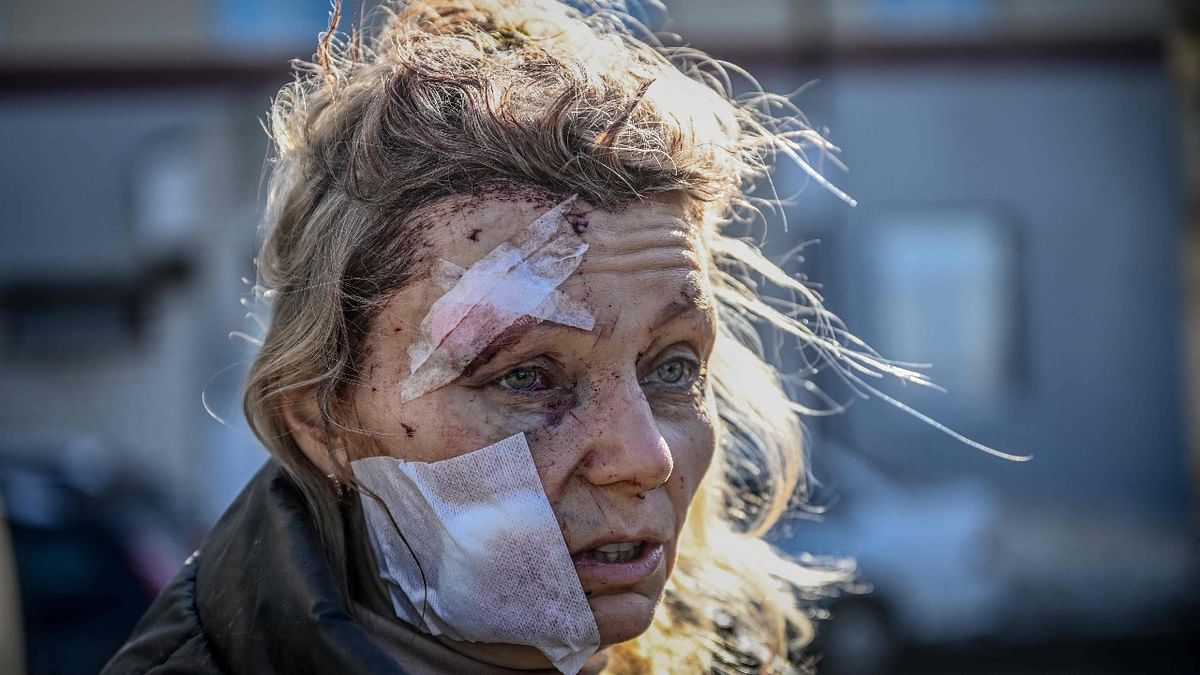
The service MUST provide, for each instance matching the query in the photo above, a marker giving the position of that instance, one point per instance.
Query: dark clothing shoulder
(259, 597)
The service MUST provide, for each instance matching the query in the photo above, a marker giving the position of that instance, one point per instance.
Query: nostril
(622, 440)
(643, 466)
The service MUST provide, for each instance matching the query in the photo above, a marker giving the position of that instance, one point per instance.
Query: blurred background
(1028, 179)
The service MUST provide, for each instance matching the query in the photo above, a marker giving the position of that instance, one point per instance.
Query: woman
(494, 258)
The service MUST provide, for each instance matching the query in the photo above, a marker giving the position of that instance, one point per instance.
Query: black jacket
(258, 597)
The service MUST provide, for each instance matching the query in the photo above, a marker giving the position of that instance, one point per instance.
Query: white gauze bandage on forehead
(517, 279)
(482, 557)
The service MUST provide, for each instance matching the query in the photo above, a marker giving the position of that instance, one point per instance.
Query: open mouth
(615, 554)
(618, 564)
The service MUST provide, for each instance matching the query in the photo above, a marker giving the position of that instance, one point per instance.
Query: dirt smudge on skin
(578, 222)
(474, 236)
(408, 430)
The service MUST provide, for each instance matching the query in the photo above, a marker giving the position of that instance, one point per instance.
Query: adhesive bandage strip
(557, 308)
(516, 279)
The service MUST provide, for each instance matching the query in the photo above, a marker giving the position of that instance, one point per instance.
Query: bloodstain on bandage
(517, 279)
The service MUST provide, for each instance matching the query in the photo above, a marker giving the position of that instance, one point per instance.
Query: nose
(624, 447)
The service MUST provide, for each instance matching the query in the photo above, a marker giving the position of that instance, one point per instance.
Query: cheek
(692, 459)
(453, 421)
(693, 450)
(422, 430)
(692, 446)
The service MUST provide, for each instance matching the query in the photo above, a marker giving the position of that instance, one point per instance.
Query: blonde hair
(457, 97)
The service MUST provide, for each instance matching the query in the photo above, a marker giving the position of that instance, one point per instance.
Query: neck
(518, 657)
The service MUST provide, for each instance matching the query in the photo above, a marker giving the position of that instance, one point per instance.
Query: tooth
(620, 547)
(617, 552)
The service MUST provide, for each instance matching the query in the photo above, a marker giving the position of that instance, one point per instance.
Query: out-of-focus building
(1185, 61)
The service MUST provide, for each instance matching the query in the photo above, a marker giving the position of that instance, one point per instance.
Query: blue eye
(677, 371)
(524, 379)
(671, 371)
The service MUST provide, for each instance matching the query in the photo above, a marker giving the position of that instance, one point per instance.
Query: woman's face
(619, 419)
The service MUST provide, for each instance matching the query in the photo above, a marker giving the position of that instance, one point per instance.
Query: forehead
(652, 235)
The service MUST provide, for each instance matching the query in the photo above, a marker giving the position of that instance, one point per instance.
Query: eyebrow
(691, 298)
(672, 311)
(508, 338)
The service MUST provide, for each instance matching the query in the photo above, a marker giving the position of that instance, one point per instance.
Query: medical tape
(517, 279)
(557, 308)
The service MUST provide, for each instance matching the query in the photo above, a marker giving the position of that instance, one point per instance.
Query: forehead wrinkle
(652, 258)
(657, 245)
(623, 240)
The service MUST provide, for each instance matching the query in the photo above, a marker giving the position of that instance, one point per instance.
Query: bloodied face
(618, 417)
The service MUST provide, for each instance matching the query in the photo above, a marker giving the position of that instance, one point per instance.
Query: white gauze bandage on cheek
(493, 565)
(517, 279)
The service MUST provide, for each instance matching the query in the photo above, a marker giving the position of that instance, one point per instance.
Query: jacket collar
(266, 596)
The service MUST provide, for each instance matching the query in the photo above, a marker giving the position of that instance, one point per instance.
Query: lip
(596, 575)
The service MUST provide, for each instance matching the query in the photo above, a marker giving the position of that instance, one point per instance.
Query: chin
(622, 616)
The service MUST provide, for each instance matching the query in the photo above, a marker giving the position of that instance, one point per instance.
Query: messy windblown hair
(437, 98)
